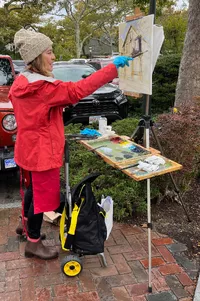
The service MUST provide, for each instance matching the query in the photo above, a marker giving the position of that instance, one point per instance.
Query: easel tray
(123, 154)
(138, 174)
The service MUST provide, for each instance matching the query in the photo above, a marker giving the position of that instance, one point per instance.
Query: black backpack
(90, 232)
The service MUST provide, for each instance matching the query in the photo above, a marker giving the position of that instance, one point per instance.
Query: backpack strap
(73, 223)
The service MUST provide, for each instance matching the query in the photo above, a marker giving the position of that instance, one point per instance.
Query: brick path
(125, 278)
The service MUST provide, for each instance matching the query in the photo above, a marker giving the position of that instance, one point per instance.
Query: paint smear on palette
(118, 158)
(121, 142)
(116, 140)
(136, 149)
(126, 144)
(106, 150)
(127, 156)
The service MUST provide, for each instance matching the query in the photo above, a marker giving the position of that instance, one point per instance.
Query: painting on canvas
(136, 37)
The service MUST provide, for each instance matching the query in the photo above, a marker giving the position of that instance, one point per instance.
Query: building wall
(99, 49)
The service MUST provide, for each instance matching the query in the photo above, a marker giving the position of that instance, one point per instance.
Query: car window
(72, 74)
(6, 75)
(96, 65)
(19, 63)
(105, 63)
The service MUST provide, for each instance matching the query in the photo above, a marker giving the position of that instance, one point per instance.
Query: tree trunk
(111, 44)
(188, 85)
(78, 48)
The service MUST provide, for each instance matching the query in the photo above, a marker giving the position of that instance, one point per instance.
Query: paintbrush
(91, 150)
(81, 137)
(135, 164)
(129, 166)
(137, 54)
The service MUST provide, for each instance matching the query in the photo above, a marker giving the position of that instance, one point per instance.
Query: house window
(137, 47)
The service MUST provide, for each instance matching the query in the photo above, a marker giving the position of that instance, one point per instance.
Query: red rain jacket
(38, 103)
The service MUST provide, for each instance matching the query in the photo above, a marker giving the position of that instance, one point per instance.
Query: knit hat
(31, 44)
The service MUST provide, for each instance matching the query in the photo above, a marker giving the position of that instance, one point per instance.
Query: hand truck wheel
(71, 265)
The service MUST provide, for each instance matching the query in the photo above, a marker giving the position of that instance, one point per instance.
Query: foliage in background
(100, 17)
(64, 44)
(17, 14)
(180, 138)
(71, 24)
(175, 26)
(129, 196)
(10, 23)
(164, 82)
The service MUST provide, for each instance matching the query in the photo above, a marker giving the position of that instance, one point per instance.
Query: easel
(144, 127)
(147, 124)
(138, 14)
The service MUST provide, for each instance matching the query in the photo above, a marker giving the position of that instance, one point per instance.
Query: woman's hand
(122, 61)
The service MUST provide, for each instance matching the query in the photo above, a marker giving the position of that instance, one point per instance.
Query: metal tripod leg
(147, 144)
(138, 134)
(103, 259)
(170, 174)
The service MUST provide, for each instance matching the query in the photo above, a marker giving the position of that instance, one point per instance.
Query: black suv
(108, 101)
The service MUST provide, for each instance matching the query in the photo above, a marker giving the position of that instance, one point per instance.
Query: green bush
(165, 78)
(125, 127)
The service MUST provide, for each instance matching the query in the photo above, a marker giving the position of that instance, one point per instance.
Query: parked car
(78, 61)
(108, 101)
(17, 69)
(8, 126)
(19, 66)
(100, 63)
(60, 63)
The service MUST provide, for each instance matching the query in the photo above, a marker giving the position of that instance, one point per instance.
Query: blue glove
(90, 132)
(122, 61)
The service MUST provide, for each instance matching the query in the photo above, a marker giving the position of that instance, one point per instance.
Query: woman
(38, 100)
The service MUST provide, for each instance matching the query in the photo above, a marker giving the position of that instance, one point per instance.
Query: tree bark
(188, 85)
(77, 34)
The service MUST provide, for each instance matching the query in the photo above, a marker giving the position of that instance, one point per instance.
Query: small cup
(108, 128)
(102, 124)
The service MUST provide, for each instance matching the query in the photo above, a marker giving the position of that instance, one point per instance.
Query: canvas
(142, 37)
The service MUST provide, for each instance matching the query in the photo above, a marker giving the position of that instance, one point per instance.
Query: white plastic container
(102, 125)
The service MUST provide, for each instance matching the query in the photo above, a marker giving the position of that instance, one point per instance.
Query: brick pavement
(125, 278)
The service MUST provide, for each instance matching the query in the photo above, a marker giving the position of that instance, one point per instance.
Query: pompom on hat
(31, 44)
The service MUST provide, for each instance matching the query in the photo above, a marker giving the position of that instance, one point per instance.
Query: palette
(116, 149)
(123, 154)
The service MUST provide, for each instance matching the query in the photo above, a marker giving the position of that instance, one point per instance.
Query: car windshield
(96, 65)
(72, 73)
(19, 63)
(6, 75)
(100, 63)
